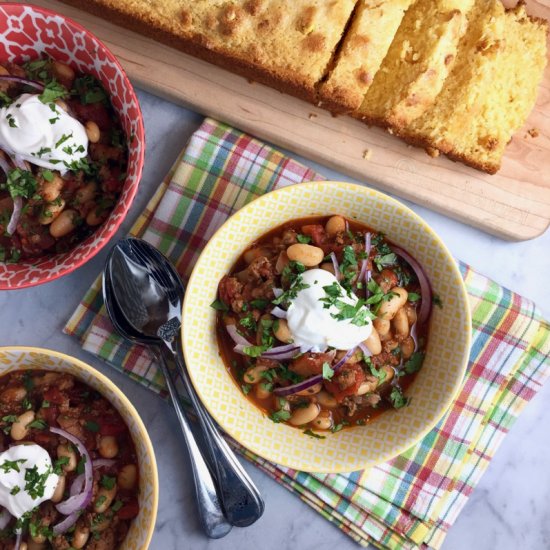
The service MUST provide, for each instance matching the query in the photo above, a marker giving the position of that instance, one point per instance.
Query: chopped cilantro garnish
(36, 482)
(379, 373)
(304, 239)
(279, 416)
(246, 388)
(259, 303)
(9, 465)
(413, 297)
(52, 90)
(384, 260)
(108, 482)
(219, 305)
(11, 121)
(89, 89)
(20, 183)
(15, 490)
(328, 373)
(92, 426)
(248, 322)
(255, 351)
(5, 99)
(414, 364)
(338, 427)
(59, 463)
(397, 399)
(118, 504)
(38, 424)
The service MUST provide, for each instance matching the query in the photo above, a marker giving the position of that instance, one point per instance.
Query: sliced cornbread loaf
(417, 63)
(491, 89)
(287, 45)
(367, 41)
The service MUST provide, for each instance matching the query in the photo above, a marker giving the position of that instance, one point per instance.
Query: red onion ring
(277, 354)
(4, 165)
(77, 502)
(366, 351)
(18, 541)
(103, 463)
(5, 518)
(24, 81)
(425, 286)
(335, 265)
(77, 485)
(278, 312)
(277, 292)
(305, 384)
(66, 524)
(414, 336)
(15, 215)
(239, 339)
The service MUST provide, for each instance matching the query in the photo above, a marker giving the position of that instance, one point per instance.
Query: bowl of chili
(76, 461)
(326, 348)
(65, 190)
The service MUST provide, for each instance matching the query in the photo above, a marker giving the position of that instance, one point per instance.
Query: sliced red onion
(279, 353)
(19, 162)
(18, 541)
(366, 351)
(23, 81)
(305, 384)
(278, 312)
(277, 292)
(81, 500)
(77, 485)
(4, 165)
(335, 265)
(103, 463)
(15, 215)
(5, 518)
(414, 336)
(425, 286)
(66, 524)
(239, 339)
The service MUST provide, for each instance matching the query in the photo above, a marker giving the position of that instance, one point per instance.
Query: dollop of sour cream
(42, 133)
(26, 478)
(312, 325)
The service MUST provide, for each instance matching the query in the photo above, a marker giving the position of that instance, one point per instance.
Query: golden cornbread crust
(457, 77)
(285, 47)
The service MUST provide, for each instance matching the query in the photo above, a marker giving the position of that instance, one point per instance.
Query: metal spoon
(210, 510)
(154, 308)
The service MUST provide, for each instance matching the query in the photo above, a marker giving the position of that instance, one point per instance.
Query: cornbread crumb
(311, 116)
(366, 43)
(533, 132)
(367, 154)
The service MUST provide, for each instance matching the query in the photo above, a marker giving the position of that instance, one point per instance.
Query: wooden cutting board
(513, 204)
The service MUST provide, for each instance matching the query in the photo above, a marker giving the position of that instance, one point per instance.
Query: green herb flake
(279, 416)
(108, 482)
(36, 482)
(304, 239)
(59, 463)
(20, 183)
(52, 90)
(397, 399)
(15, 490)
(379, 373)
(118, 504)
(328, 372)
(313, 434)
(37, 424)
(9, 465)
(92, 426)
(45, 404)
(218, 305)
(337, 427)
(246, 388)
(414, 364)
(413, 297)
(384, 260)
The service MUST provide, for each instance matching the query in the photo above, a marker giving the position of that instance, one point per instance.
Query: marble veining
(508, 510)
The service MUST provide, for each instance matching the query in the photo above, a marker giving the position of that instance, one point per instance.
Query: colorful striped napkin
(411, 501)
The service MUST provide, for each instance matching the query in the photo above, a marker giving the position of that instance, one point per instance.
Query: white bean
(389, 308)
(304, 415)
(326, 400)
(104, 499)
(63, 224)
(59, 490)
(254, 374)
(66, 451)
(107, 446)
(323, 421)
(306, 254)
(401, 323)
(336, 224)
(282, 332)
(51, 211)
(20, 429)
(92, 131)
(127, 477)
(373, 342)
(312, 390)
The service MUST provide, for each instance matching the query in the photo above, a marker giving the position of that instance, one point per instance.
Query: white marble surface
(509, 509)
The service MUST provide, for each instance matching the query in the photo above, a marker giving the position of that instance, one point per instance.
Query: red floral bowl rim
(139, 135)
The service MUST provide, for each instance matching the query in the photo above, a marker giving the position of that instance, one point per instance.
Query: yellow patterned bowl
(435, 385)
(141, 530)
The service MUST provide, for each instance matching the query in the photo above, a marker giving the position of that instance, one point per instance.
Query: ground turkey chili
(323, 323)
(68, 465)
(63, 158)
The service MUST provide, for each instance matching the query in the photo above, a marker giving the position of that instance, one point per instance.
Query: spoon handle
(210, 510)
(241, 500)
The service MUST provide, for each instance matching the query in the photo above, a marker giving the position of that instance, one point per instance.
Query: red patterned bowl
(27, 32)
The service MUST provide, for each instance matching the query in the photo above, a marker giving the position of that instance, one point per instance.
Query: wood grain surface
(514, 204)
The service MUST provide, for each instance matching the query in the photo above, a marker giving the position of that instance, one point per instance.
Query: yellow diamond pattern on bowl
(435, 385)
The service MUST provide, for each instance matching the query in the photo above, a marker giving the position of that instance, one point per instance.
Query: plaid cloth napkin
(412, 500)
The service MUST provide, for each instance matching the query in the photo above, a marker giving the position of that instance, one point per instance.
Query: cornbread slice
(417, 63)
(366, 43)
(491, 89)
(287, 45)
